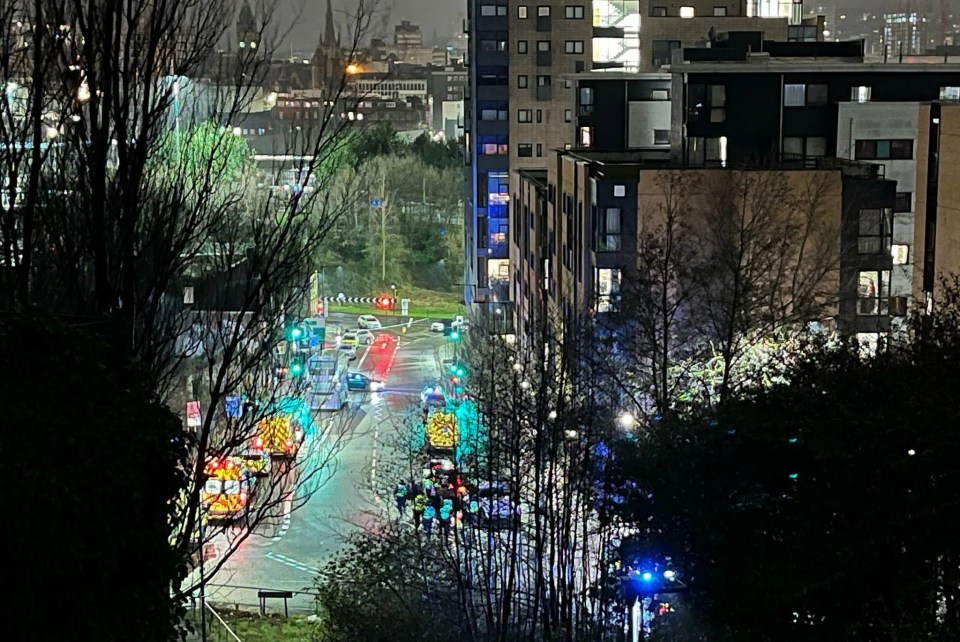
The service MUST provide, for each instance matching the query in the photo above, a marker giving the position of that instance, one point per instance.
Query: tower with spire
(328, 59)
(248, 34)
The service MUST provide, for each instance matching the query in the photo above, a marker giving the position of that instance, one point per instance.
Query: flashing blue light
(646, 576)
(792, 440)
(794, 475)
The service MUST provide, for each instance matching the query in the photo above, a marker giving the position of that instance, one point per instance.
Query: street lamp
(626, 420)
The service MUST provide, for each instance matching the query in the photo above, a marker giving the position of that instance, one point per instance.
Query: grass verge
(423, 303)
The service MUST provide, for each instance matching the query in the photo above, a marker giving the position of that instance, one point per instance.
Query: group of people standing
(430, 505)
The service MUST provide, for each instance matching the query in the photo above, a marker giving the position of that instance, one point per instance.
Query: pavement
(286, 554)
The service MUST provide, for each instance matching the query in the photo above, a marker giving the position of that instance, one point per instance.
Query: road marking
(292, 563)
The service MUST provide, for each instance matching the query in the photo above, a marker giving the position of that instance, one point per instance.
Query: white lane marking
(292, 563)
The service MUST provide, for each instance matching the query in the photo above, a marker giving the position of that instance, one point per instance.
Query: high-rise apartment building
(521, 59)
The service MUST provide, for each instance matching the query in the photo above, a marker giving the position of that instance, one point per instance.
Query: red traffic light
(320, 308)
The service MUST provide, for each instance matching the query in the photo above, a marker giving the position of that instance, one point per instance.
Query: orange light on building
(353, 68)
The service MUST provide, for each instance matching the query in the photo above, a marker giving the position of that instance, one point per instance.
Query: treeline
(403, 224)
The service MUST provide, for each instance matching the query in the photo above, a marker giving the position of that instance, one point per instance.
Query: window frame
(523, 81)
(571, 46)
(876, 304)
(522, 13)
(522, 46)
(524, 150)
(570, 12)
(874, 237)
(543, 11)
(524, 112)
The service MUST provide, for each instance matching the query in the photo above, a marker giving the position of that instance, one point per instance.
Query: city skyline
(442, 15)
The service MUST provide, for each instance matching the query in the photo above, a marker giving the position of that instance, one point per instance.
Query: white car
(436, 326)
(349, 350)
(368, 321)
(365, 337)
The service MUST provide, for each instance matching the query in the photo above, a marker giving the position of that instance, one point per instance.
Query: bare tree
(127, 188)
(731, 264)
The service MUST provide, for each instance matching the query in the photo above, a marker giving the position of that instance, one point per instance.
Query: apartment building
(520, 105)
(583, 221)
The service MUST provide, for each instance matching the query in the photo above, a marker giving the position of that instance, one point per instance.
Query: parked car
(360, 381)
(368, 321)
(436, 326)
(496, 508)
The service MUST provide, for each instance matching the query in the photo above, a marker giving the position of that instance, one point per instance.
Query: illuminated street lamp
(626, 420)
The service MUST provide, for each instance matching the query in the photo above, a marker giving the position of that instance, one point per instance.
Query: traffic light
(296, 369)
(294, 333)
(320, 309)
(454, 335)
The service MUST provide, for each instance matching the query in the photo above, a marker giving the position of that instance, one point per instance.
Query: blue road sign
(376, 202)
(233, 408)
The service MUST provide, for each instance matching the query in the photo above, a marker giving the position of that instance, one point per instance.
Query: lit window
(586, 136)
(900, 254)
(543, 11)
(521, 46)
(950, 93)
(873, 292)
(567, 115)
(524, 115)
(488, 10)
(573, 46)
(619, 190)
(609, 229)
(719, 12)
(607, 288)
(794, 95)
(687, 12)
(860, 94)
(522, 11)
(573, 11)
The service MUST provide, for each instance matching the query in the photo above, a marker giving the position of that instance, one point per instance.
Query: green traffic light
(296, 369)
(295, 333)
(455, 336)
(461, 372)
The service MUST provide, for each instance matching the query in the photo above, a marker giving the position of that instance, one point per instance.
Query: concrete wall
(645, 116)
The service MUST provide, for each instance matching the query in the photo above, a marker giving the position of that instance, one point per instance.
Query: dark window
(661, 136)
(662, 51)
(539, 115)
(608, 227)
(658, 12)
(875, 232)
(482, 235)
(482, 277)
(525, 150)
(897, 149)
(539, 150)
(904, 202)
(719, 11)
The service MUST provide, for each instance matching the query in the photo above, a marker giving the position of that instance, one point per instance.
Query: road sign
(233, 407)
(404, 307)
(375, 202)
(193, 414)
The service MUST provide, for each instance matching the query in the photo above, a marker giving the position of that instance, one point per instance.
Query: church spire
(330, 31)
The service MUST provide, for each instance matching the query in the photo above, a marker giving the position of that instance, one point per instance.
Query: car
(365, 337)
(436, 326)
(349, 350)
(433, 397)
(348, 338)
(360, 381)
(496, 509)
(368, 321)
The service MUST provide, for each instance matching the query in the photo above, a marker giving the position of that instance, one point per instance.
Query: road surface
(285, 555)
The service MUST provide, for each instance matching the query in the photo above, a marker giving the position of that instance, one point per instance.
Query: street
(285, 554)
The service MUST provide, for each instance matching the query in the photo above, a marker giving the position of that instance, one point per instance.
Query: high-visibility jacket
(429, 512)
(419, 502)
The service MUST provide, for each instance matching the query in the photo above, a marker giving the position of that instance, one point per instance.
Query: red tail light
(258, 443)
